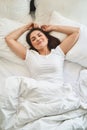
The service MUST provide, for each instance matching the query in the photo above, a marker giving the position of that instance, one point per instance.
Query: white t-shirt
(46, 67)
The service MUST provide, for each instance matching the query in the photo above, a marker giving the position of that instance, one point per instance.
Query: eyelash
(39, 35)
(33, 39)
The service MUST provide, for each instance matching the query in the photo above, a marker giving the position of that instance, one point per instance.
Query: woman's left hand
(47, 28)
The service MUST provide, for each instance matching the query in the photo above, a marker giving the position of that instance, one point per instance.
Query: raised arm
(11, 40)
(70, 40)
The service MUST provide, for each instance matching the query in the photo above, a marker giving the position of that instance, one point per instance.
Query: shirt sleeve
(59, 51)
(27, 54)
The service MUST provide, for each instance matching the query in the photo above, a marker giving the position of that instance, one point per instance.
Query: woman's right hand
(32, 25)
(29, 26)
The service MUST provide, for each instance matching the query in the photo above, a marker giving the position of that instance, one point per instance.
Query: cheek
(46, 41)
(34, 44)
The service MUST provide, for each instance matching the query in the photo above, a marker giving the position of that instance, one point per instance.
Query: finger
(36, 25)
(31, 25)
(43, 27)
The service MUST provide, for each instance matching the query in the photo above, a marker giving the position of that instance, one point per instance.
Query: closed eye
(39, 35)
(33, 39)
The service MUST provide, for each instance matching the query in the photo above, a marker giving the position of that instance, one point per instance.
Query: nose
(38, 38)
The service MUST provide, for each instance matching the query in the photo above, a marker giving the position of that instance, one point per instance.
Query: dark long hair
(53, 42)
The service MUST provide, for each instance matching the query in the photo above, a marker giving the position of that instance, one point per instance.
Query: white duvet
(29, 105)
(26, 102)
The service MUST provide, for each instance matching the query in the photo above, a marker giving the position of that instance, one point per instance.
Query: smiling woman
(40, 40)
(42, 43)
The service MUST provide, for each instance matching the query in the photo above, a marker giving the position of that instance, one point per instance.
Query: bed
(43, 106)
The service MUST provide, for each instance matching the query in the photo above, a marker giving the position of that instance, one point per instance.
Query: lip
(39, 42)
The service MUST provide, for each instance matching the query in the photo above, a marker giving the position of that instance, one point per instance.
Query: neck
(44, 51)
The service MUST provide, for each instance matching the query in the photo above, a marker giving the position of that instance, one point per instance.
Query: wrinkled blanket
(25, 101)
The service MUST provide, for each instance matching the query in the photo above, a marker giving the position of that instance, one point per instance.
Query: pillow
(78, 53)
(15, 9)
(6, 26)
(71, 9)
(43, 11)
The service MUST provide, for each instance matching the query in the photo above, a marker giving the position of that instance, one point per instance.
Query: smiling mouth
(39, 43)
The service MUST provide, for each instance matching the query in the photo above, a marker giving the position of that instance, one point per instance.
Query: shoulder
(30, 53)
(59, 51)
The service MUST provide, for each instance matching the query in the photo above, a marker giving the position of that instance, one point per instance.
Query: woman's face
(38, 40)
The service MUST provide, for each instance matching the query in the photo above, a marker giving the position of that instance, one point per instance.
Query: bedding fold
(26, 100)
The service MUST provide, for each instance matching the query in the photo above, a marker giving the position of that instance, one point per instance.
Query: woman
(45, 57)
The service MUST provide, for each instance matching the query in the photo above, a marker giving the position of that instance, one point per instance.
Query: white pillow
(43, 11)
(78, 53)
(6, 26)
(15, 9)
(70, 8)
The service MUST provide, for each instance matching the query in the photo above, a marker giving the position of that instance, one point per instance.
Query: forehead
(36, 32)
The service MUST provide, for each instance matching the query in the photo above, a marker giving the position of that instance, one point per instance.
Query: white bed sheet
(71, 75)
(8, 69)
(72, 71)
(64, 121)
